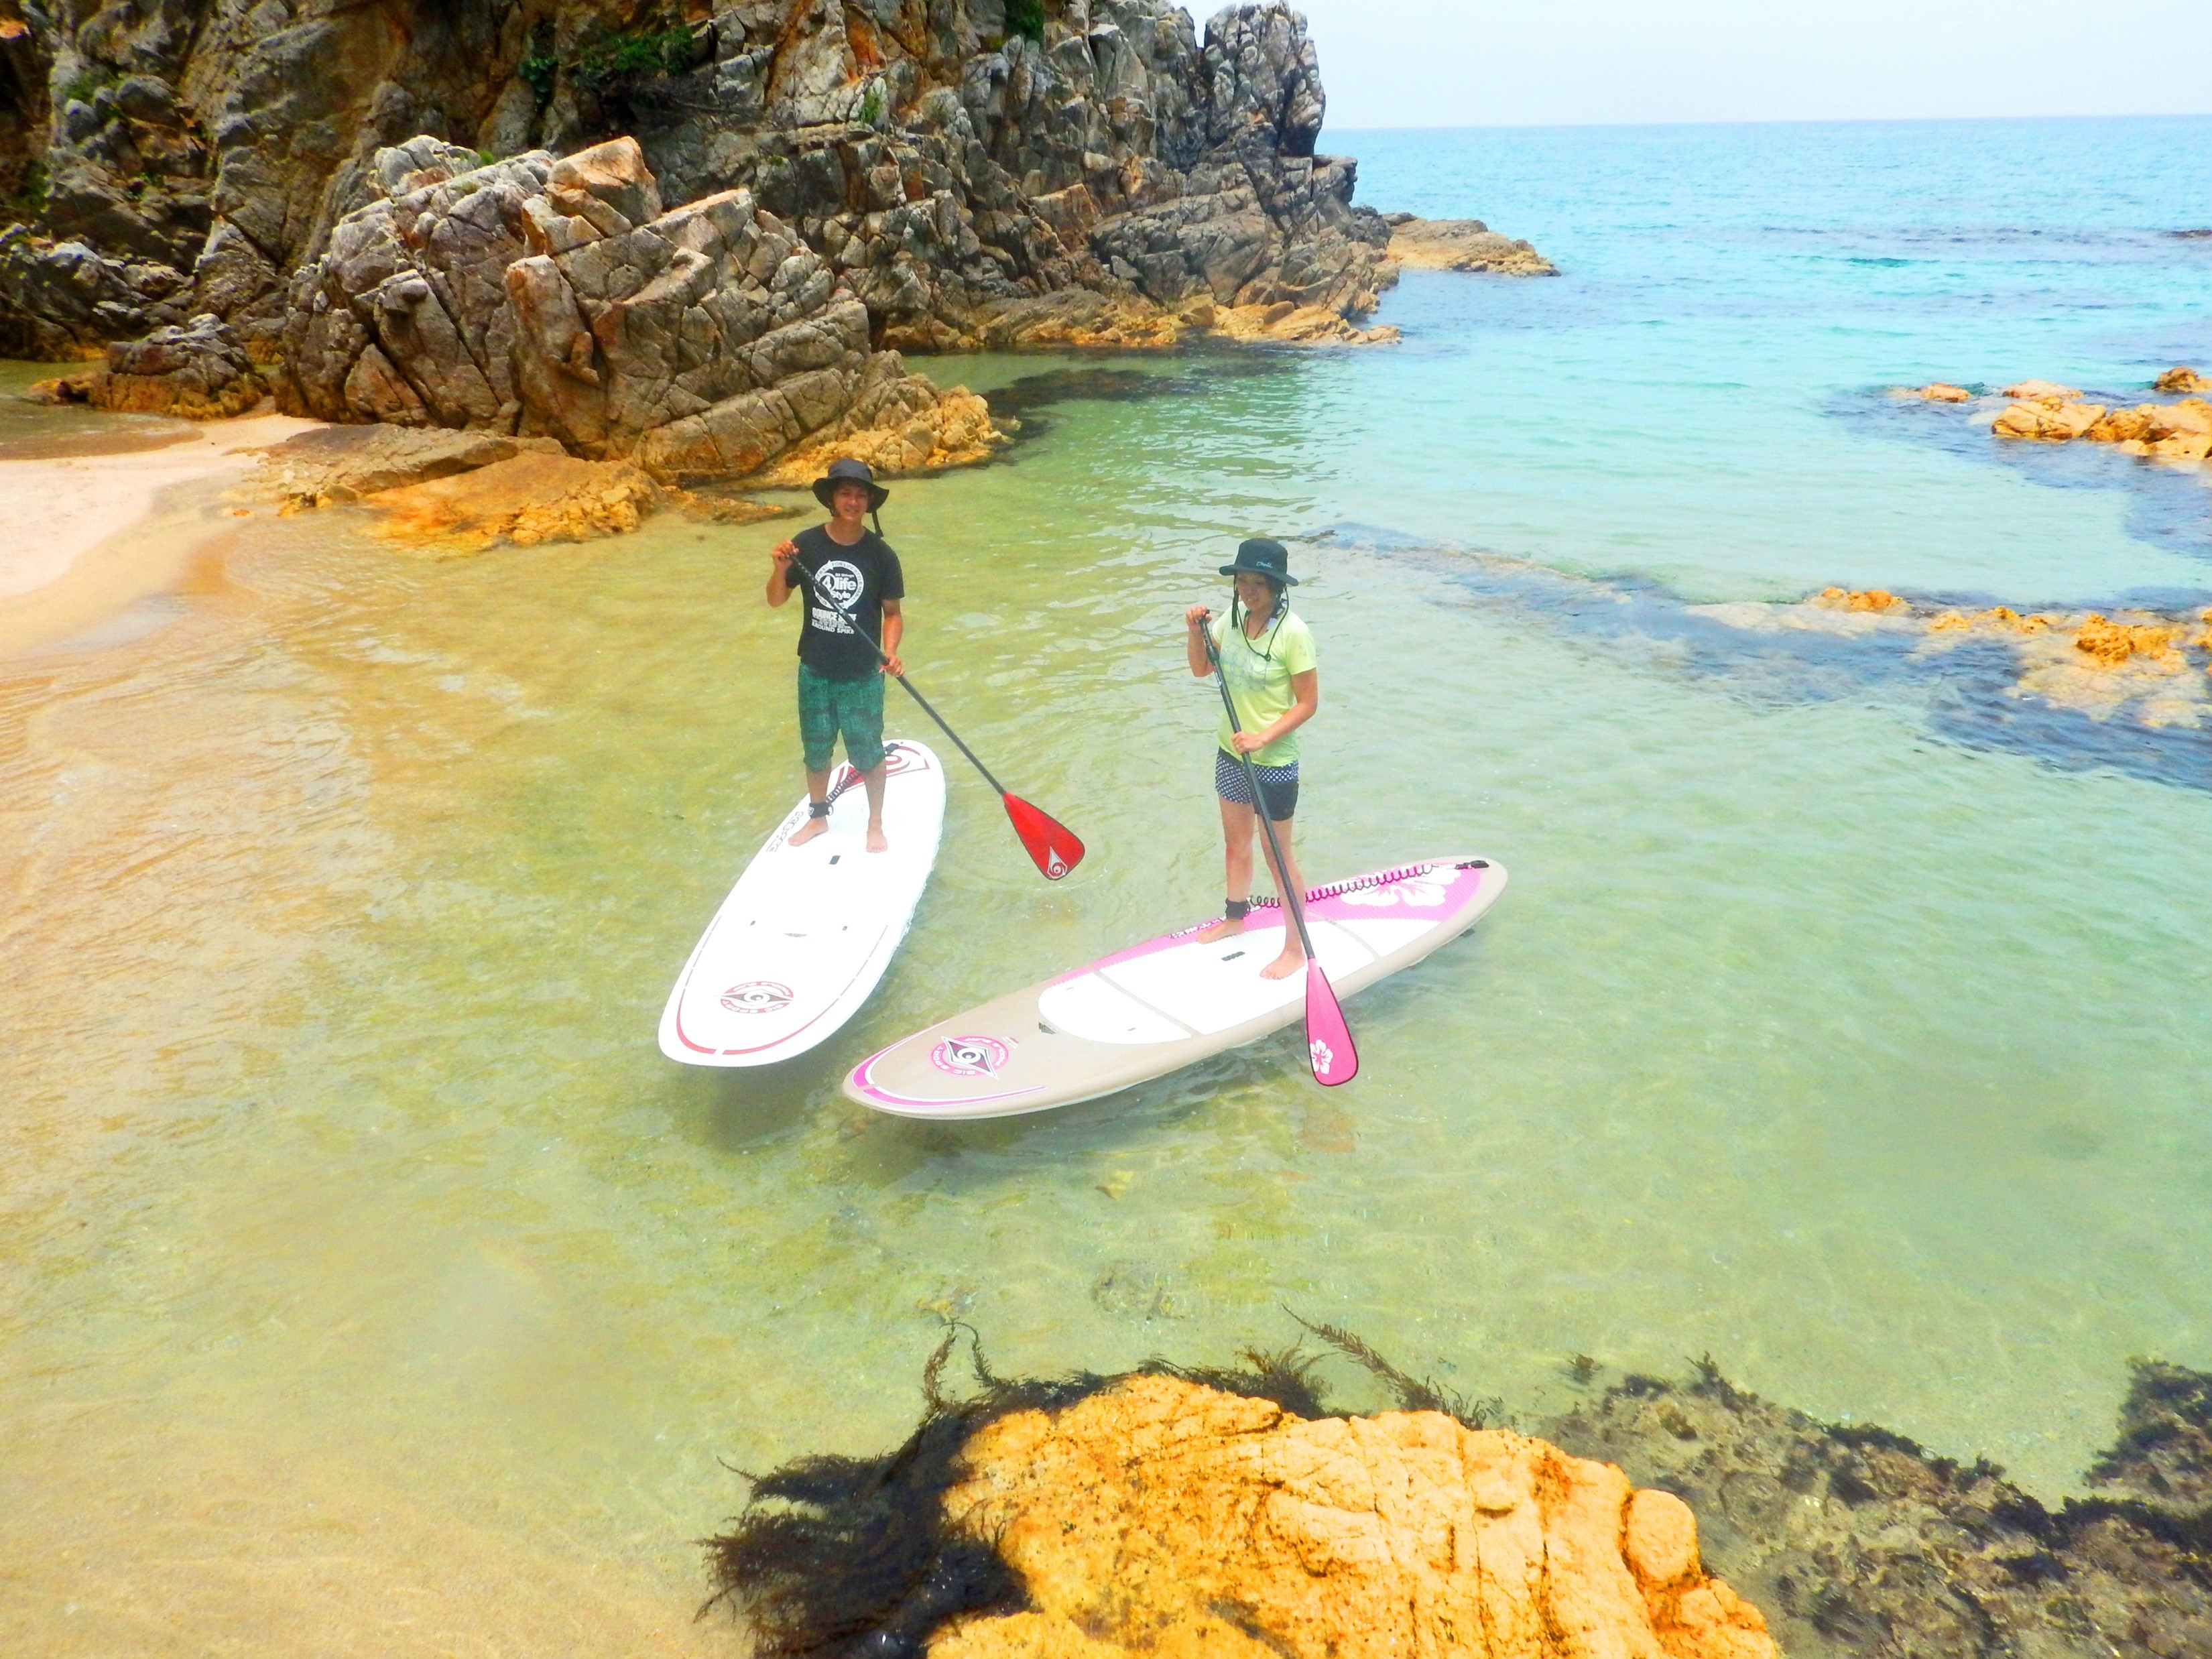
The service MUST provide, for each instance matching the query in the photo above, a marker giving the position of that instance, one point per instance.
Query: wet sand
(92, 520)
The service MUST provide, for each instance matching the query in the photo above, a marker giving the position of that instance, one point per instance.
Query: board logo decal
(900, 757)
(1323, 1056)
(969, 1056)
(1415, 895)
(756, 996)
(1055, 866)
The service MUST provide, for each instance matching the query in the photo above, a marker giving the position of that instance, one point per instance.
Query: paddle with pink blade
(1328, 1040)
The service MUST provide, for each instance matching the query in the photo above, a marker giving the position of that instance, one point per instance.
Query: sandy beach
(85, 530)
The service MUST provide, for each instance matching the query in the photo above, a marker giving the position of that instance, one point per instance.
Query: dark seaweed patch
(1413, 1394)
(1968, 690)
(1285, 1376)
(1024, 406)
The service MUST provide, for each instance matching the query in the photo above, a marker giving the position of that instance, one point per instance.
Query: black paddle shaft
(793, 567)
(1294, 902)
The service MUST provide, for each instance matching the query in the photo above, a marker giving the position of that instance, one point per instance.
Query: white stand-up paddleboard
(807, 931)
(1148, 1011)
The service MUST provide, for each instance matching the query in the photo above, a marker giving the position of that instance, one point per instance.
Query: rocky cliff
(970, 171)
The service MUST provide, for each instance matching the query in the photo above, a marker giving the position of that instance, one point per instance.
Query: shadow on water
(741, 1107)
(1970, 690)
(1191, 372)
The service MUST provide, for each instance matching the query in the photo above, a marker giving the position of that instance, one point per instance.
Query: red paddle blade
(1052, 844)
(1328, 1039)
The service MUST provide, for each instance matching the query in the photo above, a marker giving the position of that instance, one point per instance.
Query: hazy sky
(1487, 63)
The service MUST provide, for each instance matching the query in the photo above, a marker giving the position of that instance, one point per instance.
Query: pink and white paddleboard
(1165, 1003)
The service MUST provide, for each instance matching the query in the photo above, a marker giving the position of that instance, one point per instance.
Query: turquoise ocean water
(1846, 1020)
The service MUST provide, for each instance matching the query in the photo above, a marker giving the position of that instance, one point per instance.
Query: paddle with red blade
(1053, 847)
(1328, 1039)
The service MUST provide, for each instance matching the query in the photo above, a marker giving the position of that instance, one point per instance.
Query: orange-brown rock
(1940, 392)
(895, 436)
(2121, 426)
(1162, 1517)
(2051, 422)
(2043, 391)
(2000, 616)
(2181, 378)
(527, 499)
(2111, 644)
(1873, 599)
(1462, 245)
(194, 373)
(1296, 325)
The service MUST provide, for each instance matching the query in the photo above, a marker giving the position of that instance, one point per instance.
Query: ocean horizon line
(1798, 122)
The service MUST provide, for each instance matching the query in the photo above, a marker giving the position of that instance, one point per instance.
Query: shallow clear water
(371, 1284)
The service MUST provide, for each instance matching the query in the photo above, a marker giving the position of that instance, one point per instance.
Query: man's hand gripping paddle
(1328, 1039)
(1053, 847)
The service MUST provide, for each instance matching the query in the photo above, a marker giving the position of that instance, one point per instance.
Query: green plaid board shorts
(828, 707)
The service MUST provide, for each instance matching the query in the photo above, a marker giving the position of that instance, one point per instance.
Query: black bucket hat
(848, 471)
(1263, 557)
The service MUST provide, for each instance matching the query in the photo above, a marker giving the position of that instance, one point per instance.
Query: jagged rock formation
(555, 298)
(974, 171)
(1462, 245)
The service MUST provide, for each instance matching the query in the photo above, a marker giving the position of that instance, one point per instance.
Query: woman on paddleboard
(851, 576)
(1269, 664)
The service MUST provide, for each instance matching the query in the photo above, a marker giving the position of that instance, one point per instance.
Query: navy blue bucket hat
(849, 472)
(1263, 557)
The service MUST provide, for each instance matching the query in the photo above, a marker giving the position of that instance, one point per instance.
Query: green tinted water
(375, 1286)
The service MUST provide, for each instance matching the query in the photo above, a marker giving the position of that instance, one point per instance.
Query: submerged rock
(1866, 1545)
(2113, 644)
(1462, 245)
(1873, 599)
(1940, 391)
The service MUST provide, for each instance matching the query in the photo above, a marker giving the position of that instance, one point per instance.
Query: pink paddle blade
(1328, 1039)
(1052, 844)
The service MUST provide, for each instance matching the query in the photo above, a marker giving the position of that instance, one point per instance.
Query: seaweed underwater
(1860, 1542)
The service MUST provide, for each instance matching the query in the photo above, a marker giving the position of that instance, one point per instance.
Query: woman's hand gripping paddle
(1053, 847)
(1328, 1039)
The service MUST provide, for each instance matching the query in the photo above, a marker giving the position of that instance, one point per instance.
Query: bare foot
(807, 831)
(1285, 965)
(1227, 927)
(878, 841)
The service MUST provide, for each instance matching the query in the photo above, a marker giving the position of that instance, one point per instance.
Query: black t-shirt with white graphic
(859, 578)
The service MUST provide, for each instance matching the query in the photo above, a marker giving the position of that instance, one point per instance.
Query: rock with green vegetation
(983, 171)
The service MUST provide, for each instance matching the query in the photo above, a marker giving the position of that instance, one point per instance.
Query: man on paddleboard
(850, 575)
(1269, 664)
